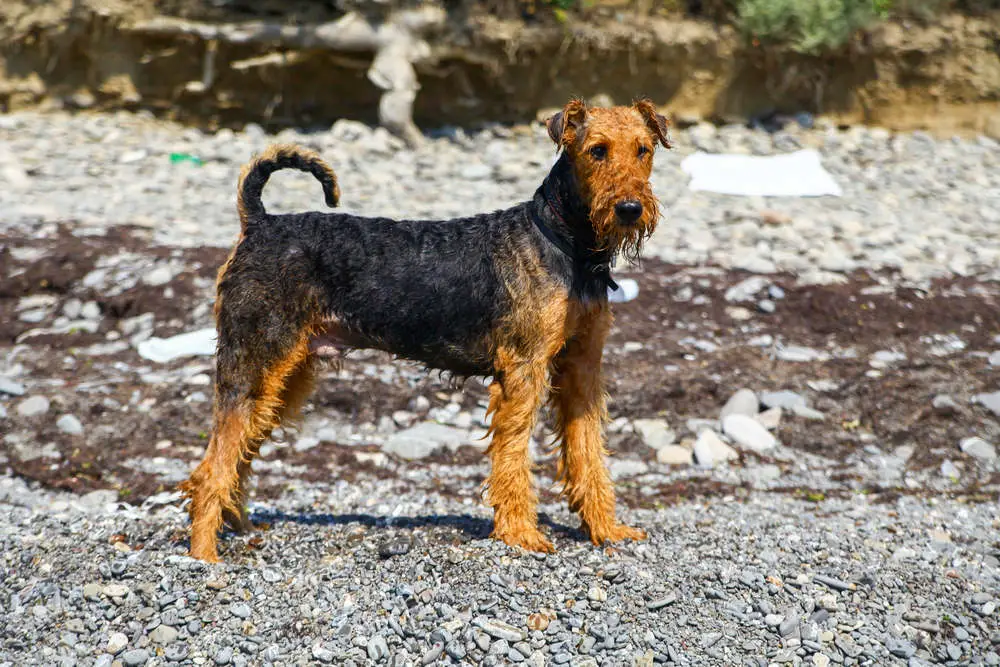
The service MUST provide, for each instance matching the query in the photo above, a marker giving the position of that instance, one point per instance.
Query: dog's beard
(624, 240)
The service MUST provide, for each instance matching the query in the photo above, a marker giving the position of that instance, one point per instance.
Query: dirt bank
(223, 63)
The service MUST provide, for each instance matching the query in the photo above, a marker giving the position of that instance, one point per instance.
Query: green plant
(921, 9)
(808, 26)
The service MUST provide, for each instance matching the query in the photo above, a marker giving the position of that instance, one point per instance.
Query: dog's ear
(656, 123)
(564, 126)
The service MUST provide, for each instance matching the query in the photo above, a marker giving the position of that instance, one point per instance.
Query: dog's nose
(628, 211)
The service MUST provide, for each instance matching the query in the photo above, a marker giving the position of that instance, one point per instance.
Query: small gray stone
(789, 626)
(623, 467)
(500, 630)
(69, 425)
(116, 590)
(323, 654)
(901, 648)
(240, 610)
(397, 545)
(950, 471)
(33, 407)
(176, 652)
(597, 594)
(377, 648)
(223, 656)
(433, 654)
(163, 634)
(135, 657)
(456, 650)
(476, 172)
(90, 311)
(798, 354)
(746, 290)
(161, 275)
(660, 603)
(117, 642)
(271, 575)
(403, 418)
(944, 405)
(766, 306)
(784, 399)
(994, 358)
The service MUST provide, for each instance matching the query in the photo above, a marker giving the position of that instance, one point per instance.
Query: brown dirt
(125, 414)
(497, 67)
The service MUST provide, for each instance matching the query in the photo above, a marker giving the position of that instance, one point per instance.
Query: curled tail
(255, 173)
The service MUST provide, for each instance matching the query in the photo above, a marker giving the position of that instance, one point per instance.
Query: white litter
(798, 174)
(199, 343)
(627, 290)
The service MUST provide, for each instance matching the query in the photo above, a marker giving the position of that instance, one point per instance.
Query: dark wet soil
(661, 372)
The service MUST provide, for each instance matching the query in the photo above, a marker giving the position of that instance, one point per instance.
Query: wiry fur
(519, 295)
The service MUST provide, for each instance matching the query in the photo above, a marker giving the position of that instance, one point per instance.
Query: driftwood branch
(396, 44)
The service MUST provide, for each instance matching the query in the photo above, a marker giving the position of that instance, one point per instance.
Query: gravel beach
(804, 398)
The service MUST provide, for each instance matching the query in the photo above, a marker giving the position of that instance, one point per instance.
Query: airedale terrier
(518, 295)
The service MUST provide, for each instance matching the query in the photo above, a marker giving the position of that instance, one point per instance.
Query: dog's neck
(564, 218)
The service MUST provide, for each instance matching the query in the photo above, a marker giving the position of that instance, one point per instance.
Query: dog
(517, 295)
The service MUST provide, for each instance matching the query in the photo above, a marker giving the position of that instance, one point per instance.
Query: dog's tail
(255, 173)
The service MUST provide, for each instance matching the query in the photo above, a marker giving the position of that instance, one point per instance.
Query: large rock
(743, 402)
(655, 433)
(421, 440)
(675, 455)
(8, 386)
(710, 450)
(33, 407)
(747, 432)
(989, 401)
(978, 449)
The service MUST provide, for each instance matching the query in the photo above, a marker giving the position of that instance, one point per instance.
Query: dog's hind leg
(297, 388)
(255, 384)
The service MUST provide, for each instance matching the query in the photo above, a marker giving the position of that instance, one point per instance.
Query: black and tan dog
(518, 295)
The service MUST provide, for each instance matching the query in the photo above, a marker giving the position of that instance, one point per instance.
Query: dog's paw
(238, 523)
(207, 555)
(529, 539)
(616, 533)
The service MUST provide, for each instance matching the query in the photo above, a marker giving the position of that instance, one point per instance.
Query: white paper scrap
(798, 174)
(200, 343)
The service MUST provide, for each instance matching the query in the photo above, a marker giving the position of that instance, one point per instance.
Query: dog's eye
(599, 152)
(643, 150)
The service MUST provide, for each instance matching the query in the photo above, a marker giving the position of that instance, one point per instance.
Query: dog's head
(611, 152)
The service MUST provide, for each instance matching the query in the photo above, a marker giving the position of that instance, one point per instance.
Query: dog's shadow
(475, 528)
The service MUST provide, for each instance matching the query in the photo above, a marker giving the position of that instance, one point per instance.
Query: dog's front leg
(579, 403)
(515, 397)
